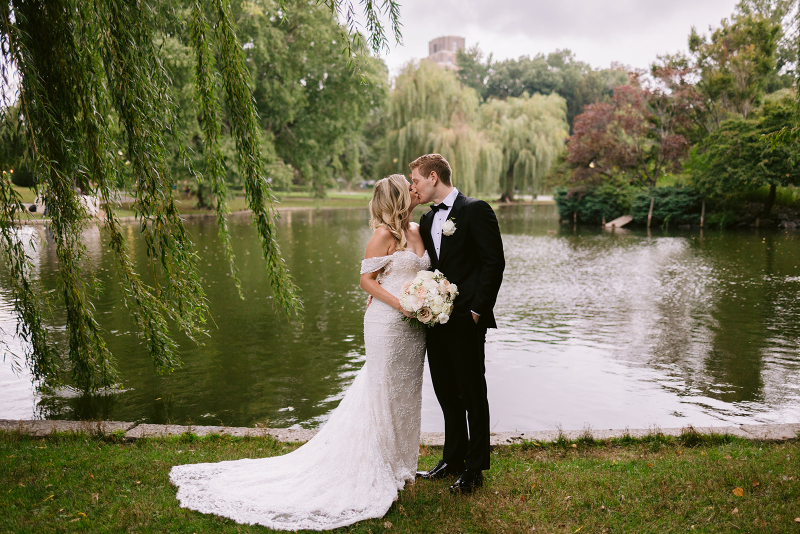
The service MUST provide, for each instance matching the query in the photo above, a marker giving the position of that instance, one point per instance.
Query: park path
(40, 428)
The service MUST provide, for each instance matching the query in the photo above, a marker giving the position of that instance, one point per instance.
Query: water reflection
(609, 329)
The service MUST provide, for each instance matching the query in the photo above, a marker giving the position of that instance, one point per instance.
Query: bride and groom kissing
(368, 449)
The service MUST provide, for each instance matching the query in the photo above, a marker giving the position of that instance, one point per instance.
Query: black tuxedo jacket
(472, 258)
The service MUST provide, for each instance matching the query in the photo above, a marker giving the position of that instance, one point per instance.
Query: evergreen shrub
(22, 177)
(673, 206)
(593, 204)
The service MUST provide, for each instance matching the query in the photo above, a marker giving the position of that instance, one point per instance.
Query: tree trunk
(773, 189)
(201, 197)
(508, 186)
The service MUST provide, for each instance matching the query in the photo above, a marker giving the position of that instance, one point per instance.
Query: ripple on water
(633, 325)
(595, 329)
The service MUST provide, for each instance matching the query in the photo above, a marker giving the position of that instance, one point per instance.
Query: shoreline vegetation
(656, 483)
(238, 204)
(677, 208)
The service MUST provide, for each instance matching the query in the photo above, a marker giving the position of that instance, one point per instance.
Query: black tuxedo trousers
(456, 360)
(472, 258)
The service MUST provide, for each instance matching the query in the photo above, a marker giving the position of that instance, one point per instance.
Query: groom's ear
(435, 177)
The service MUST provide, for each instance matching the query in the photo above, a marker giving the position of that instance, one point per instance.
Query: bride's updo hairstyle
(390, 207)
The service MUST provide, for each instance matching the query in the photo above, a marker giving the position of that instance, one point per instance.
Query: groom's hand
(476, 317)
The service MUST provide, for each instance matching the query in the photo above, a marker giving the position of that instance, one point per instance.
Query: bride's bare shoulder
(413, 227)
(380, 244)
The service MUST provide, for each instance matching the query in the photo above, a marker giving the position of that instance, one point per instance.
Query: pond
(599, 329)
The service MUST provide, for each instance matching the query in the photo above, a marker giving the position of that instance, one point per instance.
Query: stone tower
(442, 51)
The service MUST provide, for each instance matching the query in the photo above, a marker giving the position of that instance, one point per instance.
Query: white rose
(406, 303)
(453, 290)
(449, 227)
(425, 275)
(443, 318)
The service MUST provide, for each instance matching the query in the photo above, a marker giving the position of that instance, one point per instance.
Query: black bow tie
(437, 207)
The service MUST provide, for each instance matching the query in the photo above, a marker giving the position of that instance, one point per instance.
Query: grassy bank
(293, 200)
(67, 483)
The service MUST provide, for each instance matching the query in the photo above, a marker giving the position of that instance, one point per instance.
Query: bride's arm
(380, 244)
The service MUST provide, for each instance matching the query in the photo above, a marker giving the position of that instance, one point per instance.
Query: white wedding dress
(367, 451)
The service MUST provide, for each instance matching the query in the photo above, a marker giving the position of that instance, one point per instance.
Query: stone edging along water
(41, 428)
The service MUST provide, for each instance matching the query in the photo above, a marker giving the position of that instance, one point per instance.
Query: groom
(463, 241)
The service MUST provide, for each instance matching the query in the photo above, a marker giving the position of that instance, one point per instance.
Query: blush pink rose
(422, 292)
(406, 286)
(425, 315)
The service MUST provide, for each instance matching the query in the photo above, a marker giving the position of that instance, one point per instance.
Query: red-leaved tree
(638, 134)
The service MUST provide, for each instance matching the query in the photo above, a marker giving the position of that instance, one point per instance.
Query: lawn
(70, 483)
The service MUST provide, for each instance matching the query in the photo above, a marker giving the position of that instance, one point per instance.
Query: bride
(367, 451)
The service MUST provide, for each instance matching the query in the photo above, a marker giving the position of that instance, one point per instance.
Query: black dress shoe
(468, 482)
(440, 471)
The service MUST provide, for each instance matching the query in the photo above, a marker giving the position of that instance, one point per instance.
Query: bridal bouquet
(428, 298)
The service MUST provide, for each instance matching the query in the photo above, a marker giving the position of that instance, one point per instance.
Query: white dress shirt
(439, 218)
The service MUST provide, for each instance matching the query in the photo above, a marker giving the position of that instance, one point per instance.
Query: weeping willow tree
(430, 111)
(85, 68)
(530, 133)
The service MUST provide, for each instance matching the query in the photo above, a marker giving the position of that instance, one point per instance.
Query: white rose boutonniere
(449, 227)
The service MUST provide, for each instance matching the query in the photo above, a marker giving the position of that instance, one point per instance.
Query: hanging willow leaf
(146, 306)
(45, 364)
(85, 69)
(205, 91)
(432, 112)
(245, 129)
(49, 65)
(530, 133)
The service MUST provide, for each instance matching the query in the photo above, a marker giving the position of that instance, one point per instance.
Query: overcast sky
(632, 32)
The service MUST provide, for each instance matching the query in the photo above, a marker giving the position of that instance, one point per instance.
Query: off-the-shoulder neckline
(397, 252)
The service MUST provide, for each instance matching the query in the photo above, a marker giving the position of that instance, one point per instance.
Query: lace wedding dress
(367, 451)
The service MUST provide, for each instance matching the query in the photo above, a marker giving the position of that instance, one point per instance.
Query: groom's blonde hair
(390, 207)
(433, 163)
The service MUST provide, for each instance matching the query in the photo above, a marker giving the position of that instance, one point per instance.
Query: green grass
(289, 200)
(26, 192)
(67, 483)
(784, 196)
(672, 180)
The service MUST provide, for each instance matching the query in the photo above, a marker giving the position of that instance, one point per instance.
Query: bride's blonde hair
(390, 207)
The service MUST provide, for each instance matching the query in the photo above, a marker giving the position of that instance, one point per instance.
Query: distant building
(442, 51)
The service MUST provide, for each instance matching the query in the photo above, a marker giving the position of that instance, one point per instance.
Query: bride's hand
(402, 310)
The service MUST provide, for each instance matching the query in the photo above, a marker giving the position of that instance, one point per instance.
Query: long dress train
(367, 451)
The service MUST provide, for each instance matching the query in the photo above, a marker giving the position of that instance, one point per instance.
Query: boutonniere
(449, 227)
